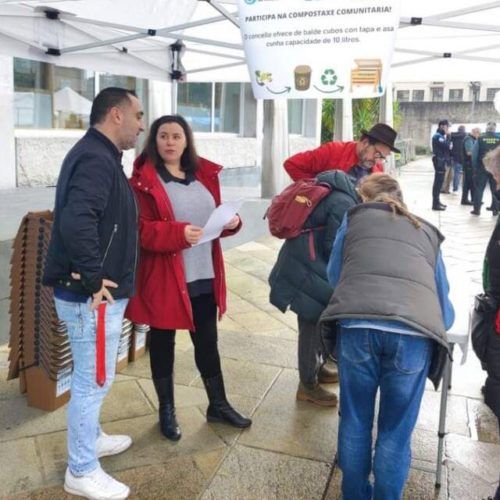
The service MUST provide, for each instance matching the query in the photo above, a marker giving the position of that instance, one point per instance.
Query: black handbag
(482, 323)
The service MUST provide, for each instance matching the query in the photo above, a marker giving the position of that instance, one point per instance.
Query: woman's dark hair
(189, 158)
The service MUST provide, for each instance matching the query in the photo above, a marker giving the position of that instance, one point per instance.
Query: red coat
(162, 298)
(329, 156)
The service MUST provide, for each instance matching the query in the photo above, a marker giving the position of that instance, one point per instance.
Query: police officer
(441, 146)
(486, 142)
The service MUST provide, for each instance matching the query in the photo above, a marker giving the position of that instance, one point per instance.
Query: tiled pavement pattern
(288, 451)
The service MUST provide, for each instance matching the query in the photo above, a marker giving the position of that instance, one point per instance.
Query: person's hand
(103, 295)
(233, 223)
(193, 234)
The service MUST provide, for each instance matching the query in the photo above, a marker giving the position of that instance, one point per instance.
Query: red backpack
(290, 209)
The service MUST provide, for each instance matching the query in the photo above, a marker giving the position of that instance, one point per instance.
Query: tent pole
(173, 94)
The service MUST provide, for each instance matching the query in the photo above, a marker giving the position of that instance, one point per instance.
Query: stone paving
(289, 450)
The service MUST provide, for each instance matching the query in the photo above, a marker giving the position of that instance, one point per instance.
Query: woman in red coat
(180, 284)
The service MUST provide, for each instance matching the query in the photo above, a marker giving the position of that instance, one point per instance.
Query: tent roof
(456, 41)
(470, 34)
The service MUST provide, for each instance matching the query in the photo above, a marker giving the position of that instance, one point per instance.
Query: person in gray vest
(486, 142)
(391, 306)
(298, 280)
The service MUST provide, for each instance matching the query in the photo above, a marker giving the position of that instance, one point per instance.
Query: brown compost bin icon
(302, 76)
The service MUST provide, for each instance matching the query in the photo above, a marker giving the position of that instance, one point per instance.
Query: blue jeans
(457, 174)
(398, 365)
(86, 395)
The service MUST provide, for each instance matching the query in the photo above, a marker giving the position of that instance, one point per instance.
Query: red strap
(100, 351)
(497, 322)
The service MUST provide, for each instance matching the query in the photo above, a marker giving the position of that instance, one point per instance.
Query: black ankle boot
(219, 409)
(168, 422)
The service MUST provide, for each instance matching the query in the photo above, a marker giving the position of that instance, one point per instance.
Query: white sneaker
(111, 445)
(96, 486)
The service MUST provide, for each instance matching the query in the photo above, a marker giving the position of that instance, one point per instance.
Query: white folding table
(460, 290)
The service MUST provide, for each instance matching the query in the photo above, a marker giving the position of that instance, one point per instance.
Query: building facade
(50, 107)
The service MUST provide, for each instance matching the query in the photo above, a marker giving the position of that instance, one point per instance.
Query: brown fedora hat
(384, 134)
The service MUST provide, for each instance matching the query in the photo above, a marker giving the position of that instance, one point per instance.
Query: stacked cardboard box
(138, 341)
(40, 353)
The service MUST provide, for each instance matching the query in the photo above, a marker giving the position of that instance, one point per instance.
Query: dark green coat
(298, 279)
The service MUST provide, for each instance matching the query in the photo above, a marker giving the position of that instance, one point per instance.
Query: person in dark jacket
(491, 284)
(298, 280)
(468, 184)
(441, 145)
(181, 282)
(91, 266)
(391, 310)
(457, 155)
(486, 142)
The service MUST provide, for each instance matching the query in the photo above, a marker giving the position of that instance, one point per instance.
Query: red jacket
(329, 156)
(162, 298)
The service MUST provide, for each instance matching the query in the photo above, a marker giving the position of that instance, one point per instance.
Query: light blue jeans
(457, 175)
(86, 395)
(397, 365)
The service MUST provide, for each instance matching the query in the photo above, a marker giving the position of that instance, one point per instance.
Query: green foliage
(365, 114)
(327, 120)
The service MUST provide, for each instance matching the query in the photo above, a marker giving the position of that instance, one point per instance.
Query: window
(418, 95)
(436, 94)
(295, 115)
(195, 104)
(403, 95)
(490, 93)
(48, 96)
(456, 95)
(218, 107)
(227, 107)
(32, 94)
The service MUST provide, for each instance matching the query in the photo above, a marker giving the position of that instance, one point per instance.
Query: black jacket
(298, 279)
(441, 146)
(95, 221)
(457, 153)
(491, 279)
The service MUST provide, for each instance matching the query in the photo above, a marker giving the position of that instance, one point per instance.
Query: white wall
(7, 149)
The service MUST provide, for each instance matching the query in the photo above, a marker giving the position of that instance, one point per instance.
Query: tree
(365, 114)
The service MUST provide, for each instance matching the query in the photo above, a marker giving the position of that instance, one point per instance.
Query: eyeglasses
(378, 155)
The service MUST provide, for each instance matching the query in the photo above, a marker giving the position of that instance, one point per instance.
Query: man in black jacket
(457, 155)
(441, 145)
(91, 266)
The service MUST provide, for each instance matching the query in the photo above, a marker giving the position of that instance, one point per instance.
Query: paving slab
(258, 349)
(464, 485)
(21, 471)
(149, 446)
(283, 424)
(481, 459)
(456, 415)
(419, 486)
(253, 474)
(484, 422)
(245, 378)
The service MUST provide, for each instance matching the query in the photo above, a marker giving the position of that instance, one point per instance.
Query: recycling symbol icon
(329, 77)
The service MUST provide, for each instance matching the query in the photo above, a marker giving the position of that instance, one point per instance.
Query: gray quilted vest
(388, 272)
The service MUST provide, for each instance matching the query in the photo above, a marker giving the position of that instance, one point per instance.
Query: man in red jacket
(356, 158)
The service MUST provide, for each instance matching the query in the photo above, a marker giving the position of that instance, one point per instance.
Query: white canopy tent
(447, 40)
(68, 101)
(440, 40)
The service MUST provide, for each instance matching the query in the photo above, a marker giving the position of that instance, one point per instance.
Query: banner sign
(301, 49)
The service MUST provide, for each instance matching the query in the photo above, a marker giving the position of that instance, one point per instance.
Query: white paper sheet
(218, 219)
